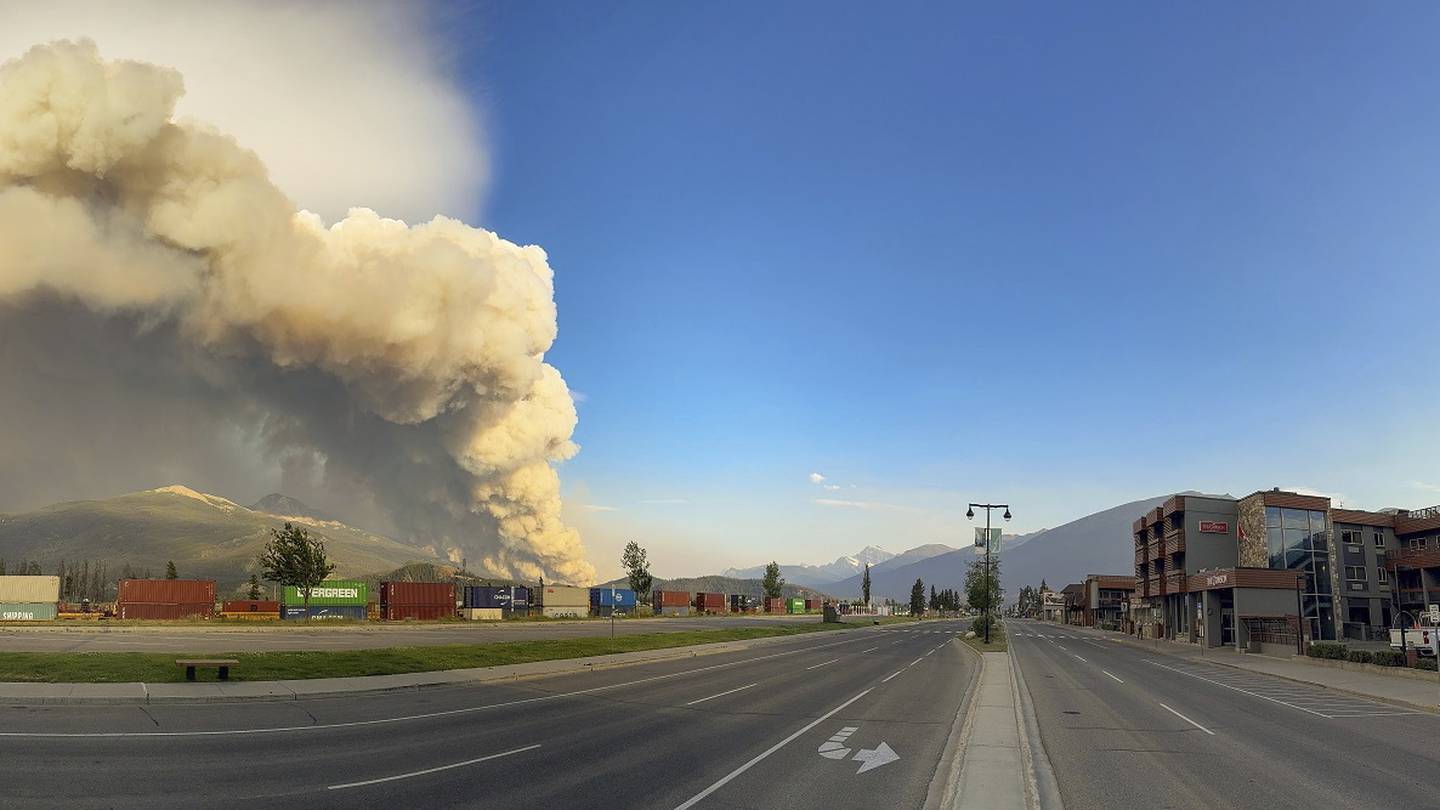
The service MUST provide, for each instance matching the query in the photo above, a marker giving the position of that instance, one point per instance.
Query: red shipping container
(400, 613)
(167, 610)
(671, 599)
(812, 604)
(417, 593)
(250, 606)
(710, 602)
(167, 591)
(774, 604)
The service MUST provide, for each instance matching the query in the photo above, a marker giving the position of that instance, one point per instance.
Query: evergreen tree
(637, 570)
(170, 572)
(865, 585)
(254, 588)
(917, 598)
(934, 603)
(773, 583)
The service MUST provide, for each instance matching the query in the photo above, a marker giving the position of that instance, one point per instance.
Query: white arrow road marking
(873, 758)
(834, 748)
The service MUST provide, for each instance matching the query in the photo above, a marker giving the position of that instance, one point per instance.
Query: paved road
(731, 730)
(269, 638)
(1127, 727)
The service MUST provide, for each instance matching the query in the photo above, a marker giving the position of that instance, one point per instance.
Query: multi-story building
(1102, 600)
(1275, 565)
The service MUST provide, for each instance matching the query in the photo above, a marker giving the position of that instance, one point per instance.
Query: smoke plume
(164, 305)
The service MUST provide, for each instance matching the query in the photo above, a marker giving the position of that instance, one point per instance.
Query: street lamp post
(970, 515)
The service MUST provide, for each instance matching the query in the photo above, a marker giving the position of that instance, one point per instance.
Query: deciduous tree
(293, 557)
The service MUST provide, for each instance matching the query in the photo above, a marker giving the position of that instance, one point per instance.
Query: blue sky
(1058, 255)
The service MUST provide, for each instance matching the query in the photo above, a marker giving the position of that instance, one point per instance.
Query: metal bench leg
(224, 673)
(189, 673)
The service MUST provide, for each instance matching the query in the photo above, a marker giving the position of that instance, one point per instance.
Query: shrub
(1327, 649)
(978, 625)
(1387, 658)
(1360, 656)
(1426, 664)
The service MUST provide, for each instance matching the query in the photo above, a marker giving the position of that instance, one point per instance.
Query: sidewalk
(1409, 692)
(994, 757)
(229, 691)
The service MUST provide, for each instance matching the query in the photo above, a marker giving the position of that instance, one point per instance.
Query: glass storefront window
(1272, 517)
(1275, 544)
(1327, 618)
(1296, 519)
(1322, 574)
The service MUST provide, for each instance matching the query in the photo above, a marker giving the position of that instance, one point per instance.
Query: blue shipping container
(496, 596)
(520, 596)
(622, 598)
(323, 612)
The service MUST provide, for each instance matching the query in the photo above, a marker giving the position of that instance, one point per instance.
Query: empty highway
(853, 719)
(1128, 727)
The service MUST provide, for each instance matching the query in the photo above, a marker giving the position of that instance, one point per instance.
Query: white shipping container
(482, 614)
(29, 589)
(563, 596)
(564, 611)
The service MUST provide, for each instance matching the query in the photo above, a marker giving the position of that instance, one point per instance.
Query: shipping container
(372, 611)
(402, 613)
(670, 599)
(167, 591)
(487, 596)
(565, 596)
(249, 606)
(324, 612)
(673, 610)
(564, 611)
(622, 598)
(330, 593)
(710, 603)
(516, 611)
(741, 603)
(164, 610)
(417, 593)
(482, 614)
(17, 588)
(522, 596)
(27, 611)
(774, 604)
(812, 605)
(795, 605)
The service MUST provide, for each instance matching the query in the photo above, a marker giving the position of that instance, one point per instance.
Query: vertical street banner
(994, 538)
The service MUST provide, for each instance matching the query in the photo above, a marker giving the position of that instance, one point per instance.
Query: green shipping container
(27, 611)
(330, 593)
(794, 605)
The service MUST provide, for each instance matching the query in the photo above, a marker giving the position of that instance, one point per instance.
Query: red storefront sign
(1214, 527)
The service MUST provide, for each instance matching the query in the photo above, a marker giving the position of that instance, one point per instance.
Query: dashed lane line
(1112, 677)
(1188, 720)
(727, 692)
(412, 774)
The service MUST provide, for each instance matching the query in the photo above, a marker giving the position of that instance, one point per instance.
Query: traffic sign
(994, 538)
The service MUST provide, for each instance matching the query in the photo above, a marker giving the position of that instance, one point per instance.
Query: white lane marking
(872, 649)
(834, 748)
(891, 675)
(1063, 647)
(932, 652)
(823, 663)
(723, 694)
(1082, 659)
(873, 758)
(1117, 680)
(916, 661)
(722, 781)
(1241, 691)
(432, 770)
(1188, 720)
(404, 718)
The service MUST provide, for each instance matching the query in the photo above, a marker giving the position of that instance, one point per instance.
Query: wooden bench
(222, 664)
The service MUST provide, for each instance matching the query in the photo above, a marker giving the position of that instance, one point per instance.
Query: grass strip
(126, 667)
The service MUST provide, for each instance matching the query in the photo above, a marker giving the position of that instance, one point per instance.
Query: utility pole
(970, 515)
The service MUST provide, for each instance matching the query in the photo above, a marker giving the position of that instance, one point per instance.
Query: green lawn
(268, 666)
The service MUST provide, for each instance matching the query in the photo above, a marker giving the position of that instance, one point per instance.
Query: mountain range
(1094, 544)
(207, 536)
(812, 575)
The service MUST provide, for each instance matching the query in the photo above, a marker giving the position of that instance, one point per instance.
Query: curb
(276, 691)
(942, 791)
(1430, 708)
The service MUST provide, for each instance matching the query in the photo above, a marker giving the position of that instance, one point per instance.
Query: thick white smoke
(152, 264)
